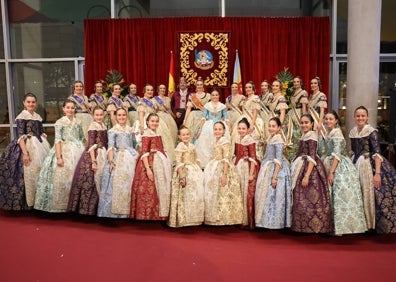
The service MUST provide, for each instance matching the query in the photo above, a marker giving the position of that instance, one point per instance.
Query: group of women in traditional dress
(234, 163)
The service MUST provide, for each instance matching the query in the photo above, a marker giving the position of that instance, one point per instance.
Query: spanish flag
(171, 82)
(237, 74)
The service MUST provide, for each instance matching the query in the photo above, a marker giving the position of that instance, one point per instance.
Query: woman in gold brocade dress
(187, 196)
(223, 196)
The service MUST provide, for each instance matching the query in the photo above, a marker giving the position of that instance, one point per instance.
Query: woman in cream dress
(131, 101)
(223, 196)
(187, 195)
(164, 111)
(234, 105)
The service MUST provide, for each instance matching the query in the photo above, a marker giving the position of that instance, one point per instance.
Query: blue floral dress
(273, 205)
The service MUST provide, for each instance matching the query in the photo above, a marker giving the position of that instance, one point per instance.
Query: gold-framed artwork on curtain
(204, 55)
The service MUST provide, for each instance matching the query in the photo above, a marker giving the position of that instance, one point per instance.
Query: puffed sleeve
(374, 144)
(146, 146)
(179, 156)
(58, 133)
(226, 150)
(111, 135)
(21, 129)
(278, 153)
(312, 149)
(92, 135)
(282, 104)
(339, 146)
(322, 101)
(304, 98)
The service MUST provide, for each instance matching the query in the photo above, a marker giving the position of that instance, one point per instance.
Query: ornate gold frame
(219, 41)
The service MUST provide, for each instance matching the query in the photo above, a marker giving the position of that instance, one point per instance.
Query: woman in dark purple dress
(376, 174)
(311, 198)
(84, 193)
(21, 161)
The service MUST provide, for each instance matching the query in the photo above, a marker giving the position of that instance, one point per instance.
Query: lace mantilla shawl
(214, 108)
(97, 126)
(246, 140)
(28, 116)
(310, 135)
(366, 131)
(64, 121)
(275, 139)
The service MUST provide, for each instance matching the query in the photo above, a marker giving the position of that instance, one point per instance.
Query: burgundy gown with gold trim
(245, 153)
(151, 199)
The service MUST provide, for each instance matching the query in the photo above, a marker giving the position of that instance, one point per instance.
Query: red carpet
(43, 247)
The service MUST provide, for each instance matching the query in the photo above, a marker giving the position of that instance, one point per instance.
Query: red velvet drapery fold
(140, 48)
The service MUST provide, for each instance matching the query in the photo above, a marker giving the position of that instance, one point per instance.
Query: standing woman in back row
(21, 161)
(376, 174)
(82, 106)
(317, 104)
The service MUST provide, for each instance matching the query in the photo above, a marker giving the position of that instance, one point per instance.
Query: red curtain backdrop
(140, 48)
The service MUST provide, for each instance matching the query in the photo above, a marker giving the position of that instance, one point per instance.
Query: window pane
(342, 26)
(386, 99)
(1, 35)
(44, 29)
(50, 82)
(387, 102)
(169, 8)
(388, 27)
(4, 119)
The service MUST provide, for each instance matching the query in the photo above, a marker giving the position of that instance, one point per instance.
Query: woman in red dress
(152, 182)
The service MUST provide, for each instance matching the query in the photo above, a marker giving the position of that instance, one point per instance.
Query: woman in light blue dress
(56, 174)
(214, 111)
(119, 170)
(343, 179)
(273, 188)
